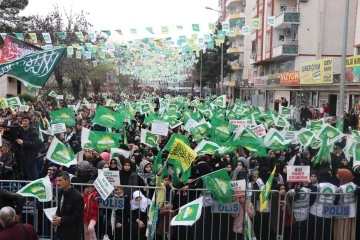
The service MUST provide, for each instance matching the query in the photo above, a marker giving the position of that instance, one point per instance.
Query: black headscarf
(324, 176)
(125, 175)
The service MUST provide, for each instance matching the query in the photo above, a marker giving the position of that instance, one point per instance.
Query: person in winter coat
(245, 206)
(90, 212)
(12, 230)
(69, 214)
(128, 178)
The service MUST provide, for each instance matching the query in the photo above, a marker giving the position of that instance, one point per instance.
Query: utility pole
(343, 63)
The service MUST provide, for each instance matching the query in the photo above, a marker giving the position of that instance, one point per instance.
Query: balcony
(234, 15)
(236, 49)
(285, 48)
(237, 65)
(287, 18)
(234, 3)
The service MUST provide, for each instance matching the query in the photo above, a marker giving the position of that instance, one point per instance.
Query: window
(283, 8)
(358, 51)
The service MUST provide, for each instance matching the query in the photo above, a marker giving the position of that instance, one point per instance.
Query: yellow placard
(317, 72)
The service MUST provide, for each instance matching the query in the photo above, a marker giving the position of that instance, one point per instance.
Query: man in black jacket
(70, 211)
(29, 145)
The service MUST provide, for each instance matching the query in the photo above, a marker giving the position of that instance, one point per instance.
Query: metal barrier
(287, 217)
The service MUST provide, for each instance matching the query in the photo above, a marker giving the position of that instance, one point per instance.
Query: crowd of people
(23, 157)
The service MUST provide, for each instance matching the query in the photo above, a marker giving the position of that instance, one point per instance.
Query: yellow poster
(353, 69)
(317, 72)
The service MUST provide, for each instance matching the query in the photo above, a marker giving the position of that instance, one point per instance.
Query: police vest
(328, 191)
(303, 199)
(347, 188)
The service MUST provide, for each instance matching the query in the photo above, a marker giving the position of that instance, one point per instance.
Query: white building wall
(357, 28)
(250, 4)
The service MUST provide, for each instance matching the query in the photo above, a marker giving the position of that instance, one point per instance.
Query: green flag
(65, 115)
(173, 137)
(206, 147)
(40, 189)
(157, 163)
(181, 157)
(304, 136)
(329, 132)
(219, 102)
(324, 152)
(108, 118)
(59, 154)
(53, 94)
(33, 69)
(149, 139)
(221, 129)
(218, 183)
(13, 101)
(101, 141)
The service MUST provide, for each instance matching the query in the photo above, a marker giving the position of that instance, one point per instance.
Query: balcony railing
(285, 19)
(286, 48)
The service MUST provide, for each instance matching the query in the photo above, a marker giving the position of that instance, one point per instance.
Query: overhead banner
(317, 72)
(353, 69)
(289, 78)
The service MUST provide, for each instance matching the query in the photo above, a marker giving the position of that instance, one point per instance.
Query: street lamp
(222, 56)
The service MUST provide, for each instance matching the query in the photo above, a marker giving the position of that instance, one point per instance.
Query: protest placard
(160, 128)
(240, 124)
(103, 186)
(298, 173)
(112, 176)
(259, 130)
(58, 128)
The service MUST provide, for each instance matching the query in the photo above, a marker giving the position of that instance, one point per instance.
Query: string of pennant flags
(147, 58)
(165, 30)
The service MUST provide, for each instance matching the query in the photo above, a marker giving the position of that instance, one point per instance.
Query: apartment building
(291, 36)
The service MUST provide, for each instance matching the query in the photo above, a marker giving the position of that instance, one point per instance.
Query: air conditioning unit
(287, 31)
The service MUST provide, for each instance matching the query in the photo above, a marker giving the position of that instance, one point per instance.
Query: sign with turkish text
(288, 78)
(317, 72)
(298, 174)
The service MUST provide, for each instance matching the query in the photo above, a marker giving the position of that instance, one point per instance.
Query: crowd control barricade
(332, 216)
(32, 212)
(217, 220)
(116, 209)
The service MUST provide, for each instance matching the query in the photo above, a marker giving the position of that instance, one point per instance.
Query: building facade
(291, 38)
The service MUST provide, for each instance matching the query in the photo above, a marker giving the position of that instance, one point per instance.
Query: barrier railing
(287, 217)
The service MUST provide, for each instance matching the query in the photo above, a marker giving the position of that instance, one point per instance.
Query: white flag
(188, 214)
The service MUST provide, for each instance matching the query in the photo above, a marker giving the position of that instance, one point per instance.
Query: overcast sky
(124, 15)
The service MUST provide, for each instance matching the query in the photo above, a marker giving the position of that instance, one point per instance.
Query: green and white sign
(188, 214)
(60, 154)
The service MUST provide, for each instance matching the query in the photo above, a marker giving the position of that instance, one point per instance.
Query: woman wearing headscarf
(344, 228)
(139, 205)
(113, 165)
(128, 177)
(105, 156)
(320, 225)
